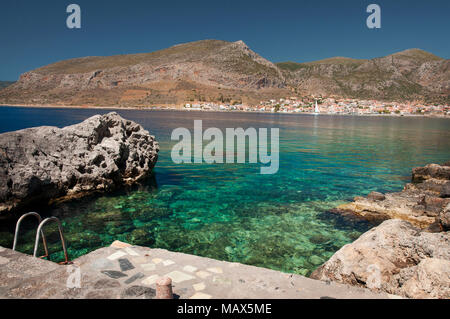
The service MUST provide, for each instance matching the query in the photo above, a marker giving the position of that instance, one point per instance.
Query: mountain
(4, 84)
(202, 70)
(408, 75)
(230, 72)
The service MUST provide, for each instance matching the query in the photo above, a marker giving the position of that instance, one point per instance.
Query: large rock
(431, 279)
(444, 218)
(394, 257)
(420, 174)
(41, 164)
(420, 202)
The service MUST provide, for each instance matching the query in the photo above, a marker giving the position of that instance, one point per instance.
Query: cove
(230, 211)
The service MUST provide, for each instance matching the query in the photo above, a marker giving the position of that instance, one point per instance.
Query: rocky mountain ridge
(227, 72)
(408, 75)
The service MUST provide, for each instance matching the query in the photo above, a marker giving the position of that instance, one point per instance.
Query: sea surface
(232, 212)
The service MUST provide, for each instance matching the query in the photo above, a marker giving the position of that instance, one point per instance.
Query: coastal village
(328, 105)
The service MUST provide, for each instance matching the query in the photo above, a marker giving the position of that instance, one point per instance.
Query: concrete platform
(122, 271)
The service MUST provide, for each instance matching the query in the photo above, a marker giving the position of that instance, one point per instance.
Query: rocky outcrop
(444, 218)
(396, 258)
(43, 164)
(422, 202)
(408, 254)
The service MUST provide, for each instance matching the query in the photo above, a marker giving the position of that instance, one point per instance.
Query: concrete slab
(22, 276)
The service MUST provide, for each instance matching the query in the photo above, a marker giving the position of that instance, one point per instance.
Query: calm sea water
(230, 211)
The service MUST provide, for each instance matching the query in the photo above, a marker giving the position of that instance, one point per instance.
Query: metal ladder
(40, 232)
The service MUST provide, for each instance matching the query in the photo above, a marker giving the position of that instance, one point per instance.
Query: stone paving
(131, 272)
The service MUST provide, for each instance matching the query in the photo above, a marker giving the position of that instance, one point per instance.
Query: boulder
(431, 279)
(445, 190)
(376, 196)
(394, 257)
(420, 174)
(43, 164)
(444, 218)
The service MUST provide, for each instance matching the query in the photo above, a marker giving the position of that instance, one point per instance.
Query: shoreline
(421, 192)
(157, 108)
(194, 276)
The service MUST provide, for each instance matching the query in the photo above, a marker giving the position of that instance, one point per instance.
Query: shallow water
(230, 211)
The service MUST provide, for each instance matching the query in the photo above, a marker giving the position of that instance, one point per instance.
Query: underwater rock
(45, 164)
(315, 260)
(80, 240)
(142, 237)
(393, 257)
(420, 202)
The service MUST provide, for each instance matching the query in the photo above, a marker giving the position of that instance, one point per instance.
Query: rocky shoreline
(45, 164)
(422, 202)
(408, 254)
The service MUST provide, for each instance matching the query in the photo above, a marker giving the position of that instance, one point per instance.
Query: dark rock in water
(141, 237)
(125, 264)
(43, 164)
(376, 196)
(114, 274)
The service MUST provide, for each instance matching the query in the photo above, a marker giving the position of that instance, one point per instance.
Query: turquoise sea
(230, 211)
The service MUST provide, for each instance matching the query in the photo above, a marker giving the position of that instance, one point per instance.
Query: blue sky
(34, 33)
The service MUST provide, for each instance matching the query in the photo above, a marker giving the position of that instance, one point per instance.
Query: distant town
(323, 105)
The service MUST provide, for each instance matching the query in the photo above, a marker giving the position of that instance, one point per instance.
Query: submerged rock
(394, 257)
(44, 164)
(421, 202)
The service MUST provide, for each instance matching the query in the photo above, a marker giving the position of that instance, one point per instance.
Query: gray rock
(139, 292)
(444, 218)
(114, 274)
(125, 264)
(376, 196)
(106, 283)
(133, 278)
(388, 256)
(102, 263)
(44, 164)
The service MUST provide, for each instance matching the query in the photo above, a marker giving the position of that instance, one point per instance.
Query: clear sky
(34, 33)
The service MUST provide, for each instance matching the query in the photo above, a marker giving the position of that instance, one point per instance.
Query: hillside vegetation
(227, 72)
